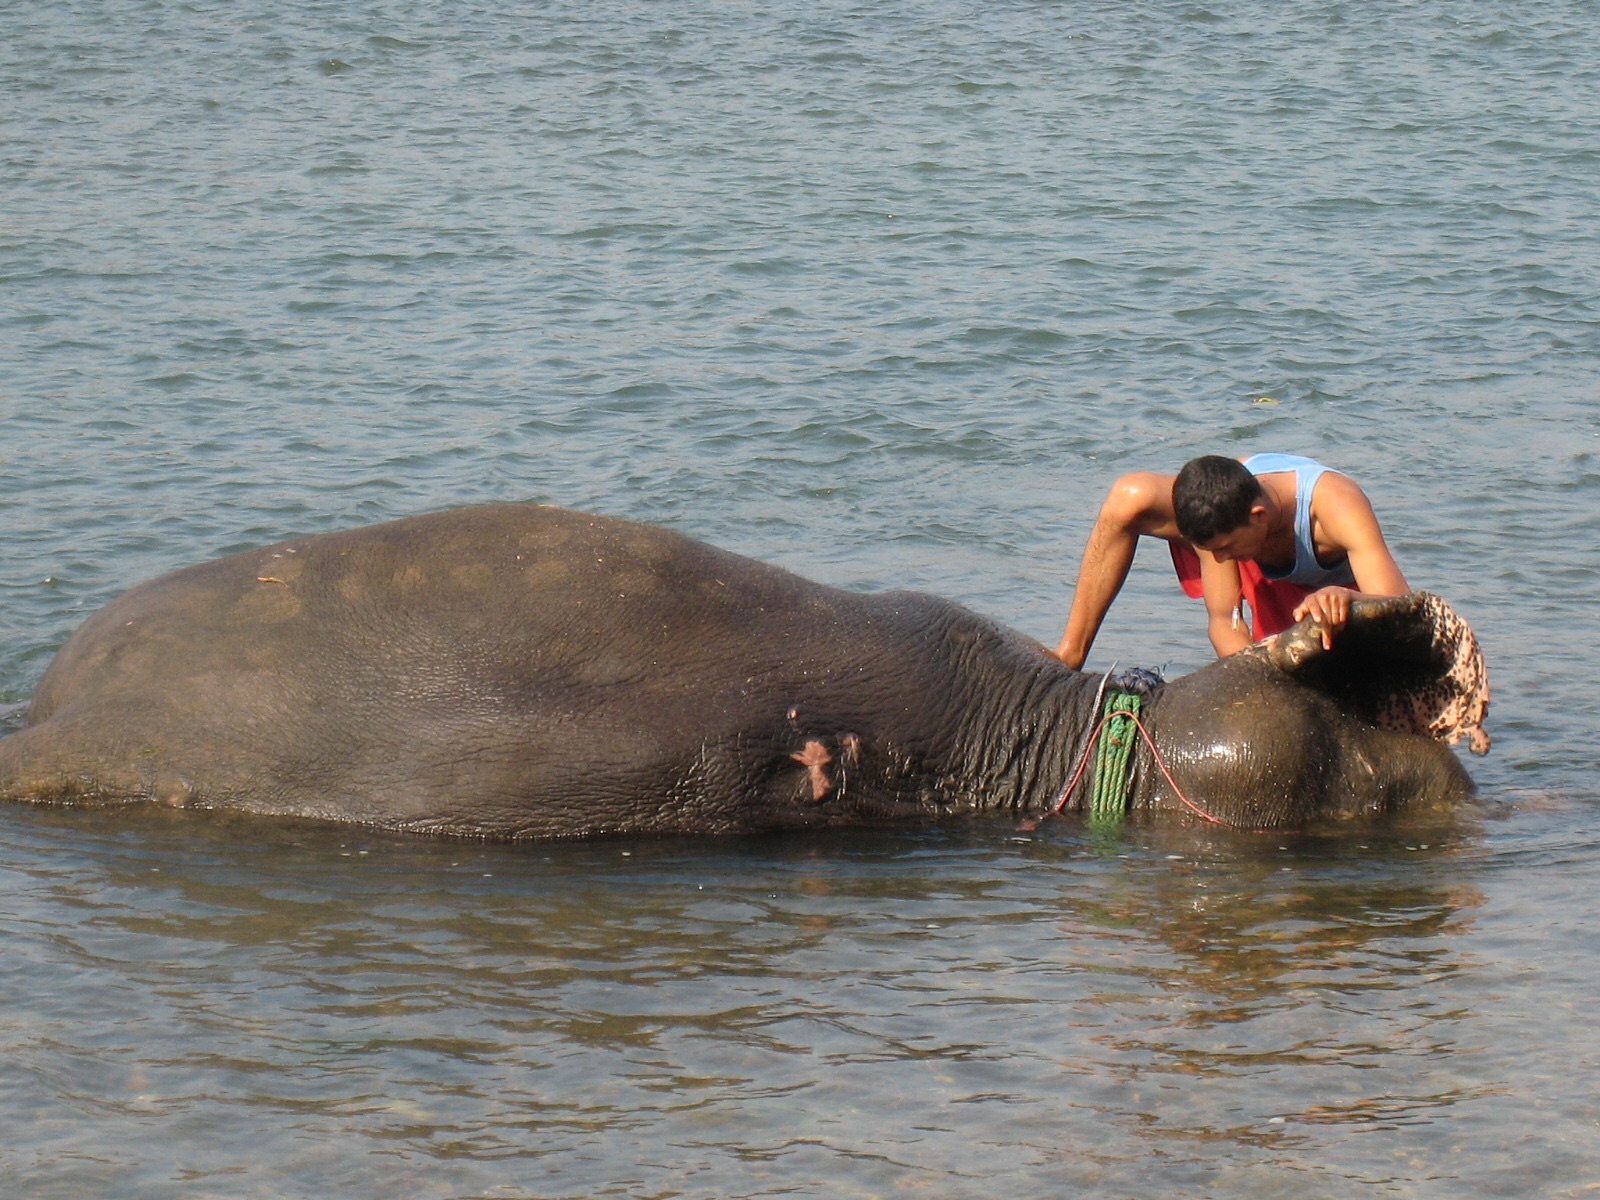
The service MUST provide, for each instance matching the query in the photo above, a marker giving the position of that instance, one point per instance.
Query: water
(887, 294)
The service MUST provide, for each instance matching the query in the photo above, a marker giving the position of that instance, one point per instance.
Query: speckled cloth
(1408, 663)
(1455, 705)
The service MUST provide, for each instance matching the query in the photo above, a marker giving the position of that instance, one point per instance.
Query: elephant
(523, 671)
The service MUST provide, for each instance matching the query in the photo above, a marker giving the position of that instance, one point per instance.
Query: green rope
(1112, 755)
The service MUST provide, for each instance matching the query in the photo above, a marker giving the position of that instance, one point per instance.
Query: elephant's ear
(1407, 663)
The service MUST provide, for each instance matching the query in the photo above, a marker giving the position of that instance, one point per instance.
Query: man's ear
(1408, 663)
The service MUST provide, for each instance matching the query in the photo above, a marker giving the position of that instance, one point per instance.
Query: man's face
(1245, 542)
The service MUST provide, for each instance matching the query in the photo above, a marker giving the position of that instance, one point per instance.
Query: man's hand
(1329, 607)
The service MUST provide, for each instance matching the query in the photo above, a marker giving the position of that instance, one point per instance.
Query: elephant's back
(496, 653)
(491, 586)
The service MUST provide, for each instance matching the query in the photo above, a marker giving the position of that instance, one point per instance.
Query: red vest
(1271, 601)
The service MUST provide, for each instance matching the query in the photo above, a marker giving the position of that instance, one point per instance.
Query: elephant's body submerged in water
(525, 671)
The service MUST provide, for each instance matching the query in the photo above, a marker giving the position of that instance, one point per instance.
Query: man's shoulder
(1149, 487)
(1144, 497)
(1337, 501)
(1144, 479)
(1337, 487)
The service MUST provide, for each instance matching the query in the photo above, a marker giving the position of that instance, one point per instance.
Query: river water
(887, 294)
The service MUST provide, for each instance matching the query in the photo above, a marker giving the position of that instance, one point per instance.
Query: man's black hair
(1212, 496)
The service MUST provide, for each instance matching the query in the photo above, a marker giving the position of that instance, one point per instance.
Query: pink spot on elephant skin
(813, 757)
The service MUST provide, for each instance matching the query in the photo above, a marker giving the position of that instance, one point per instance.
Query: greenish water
(887, 294)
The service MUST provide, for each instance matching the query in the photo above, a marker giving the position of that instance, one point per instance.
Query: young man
(1281, 534)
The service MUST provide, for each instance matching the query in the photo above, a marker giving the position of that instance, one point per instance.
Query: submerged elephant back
(460, 663)
(460, 602)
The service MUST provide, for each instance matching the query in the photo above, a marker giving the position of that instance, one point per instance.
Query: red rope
(1088, 747)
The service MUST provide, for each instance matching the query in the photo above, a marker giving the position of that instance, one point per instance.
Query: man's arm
(1137, 504)
(1342, 517)
(1219, 582)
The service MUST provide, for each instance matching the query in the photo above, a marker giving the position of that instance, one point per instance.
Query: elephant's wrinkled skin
(525, 671)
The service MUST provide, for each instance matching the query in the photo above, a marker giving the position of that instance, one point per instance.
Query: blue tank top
(1307, 571)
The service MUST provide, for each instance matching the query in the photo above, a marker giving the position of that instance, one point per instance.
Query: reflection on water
(1280, 983)
(610, 1019)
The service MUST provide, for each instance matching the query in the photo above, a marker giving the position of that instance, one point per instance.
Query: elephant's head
(1288, 730)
